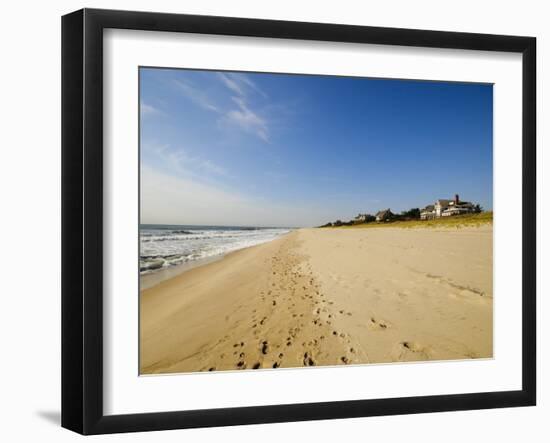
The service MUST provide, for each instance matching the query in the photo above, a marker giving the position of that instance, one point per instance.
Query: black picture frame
(82, 219)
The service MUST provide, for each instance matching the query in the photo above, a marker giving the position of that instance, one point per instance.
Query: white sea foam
(164, 246)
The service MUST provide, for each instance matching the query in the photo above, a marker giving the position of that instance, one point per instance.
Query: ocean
(164, 246)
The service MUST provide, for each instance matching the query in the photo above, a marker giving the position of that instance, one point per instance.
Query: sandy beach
(318, 297)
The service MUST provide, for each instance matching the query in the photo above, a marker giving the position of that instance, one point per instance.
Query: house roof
(428, 208)
(383, 213)
(443, 202)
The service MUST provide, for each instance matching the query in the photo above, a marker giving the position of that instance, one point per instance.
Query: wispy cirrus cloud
(146, 109)
(231, 83)
(244, 115)
(179, 161)
(196, 95)
(238, 110)
(240, 83)
(248, 120)
(243, 78)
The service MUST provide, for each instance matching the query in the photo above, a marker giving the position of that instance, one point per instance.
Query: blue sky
(294, 150)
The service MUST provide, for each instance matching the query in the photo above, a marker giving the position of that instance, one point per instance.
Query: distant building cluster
(380, 216)
(447, 208)
(441, 208)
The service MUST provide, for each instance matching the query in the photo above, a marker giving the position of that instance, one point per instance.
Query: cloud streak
(146, 110)
(239, 112)
(240, 84)
(231, 83)
(248, 120)
(196, 95)
(179, 161)
(244, 116)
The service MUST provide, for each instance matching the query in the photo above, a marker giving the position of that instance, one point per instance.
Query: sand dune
(326, 297)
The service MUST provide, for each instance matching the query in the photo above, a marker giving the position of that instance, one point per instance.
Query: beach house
(363, 218)
(446, 208)
(385, 215)
(428, 213)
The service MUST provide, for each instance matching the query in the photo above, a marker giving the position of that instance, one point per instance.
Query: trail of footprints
(296, 311)
(294, 308)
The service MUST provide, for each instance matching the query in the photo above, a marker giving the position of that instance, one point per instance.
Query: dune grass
(457, 221)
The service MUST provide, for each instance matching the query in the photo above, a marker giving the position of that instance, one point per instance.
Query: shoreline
(149, 280)
(161, 275)
(317, 297)
(152, 279)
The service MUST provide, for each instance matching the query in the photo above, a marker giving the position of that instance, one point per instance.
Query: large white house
(446, 208)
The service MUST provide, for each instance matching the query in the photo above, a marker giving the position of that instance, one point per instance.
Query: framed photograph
(268, 221)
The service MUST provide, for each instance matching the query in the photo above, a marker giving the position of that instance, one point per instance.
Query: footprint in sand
(410, 351)
(375, 324)
(308, 360)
